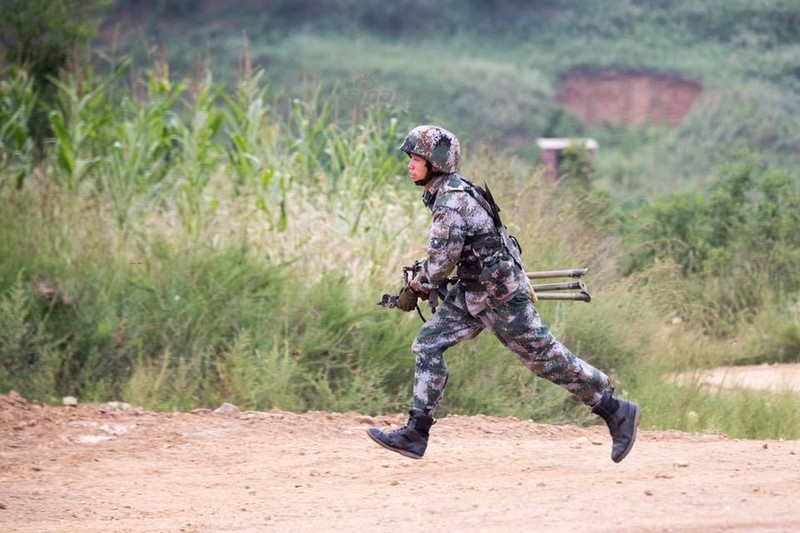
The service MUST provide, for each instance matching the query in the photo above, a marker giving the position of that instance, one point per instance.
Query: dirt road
(107, 467)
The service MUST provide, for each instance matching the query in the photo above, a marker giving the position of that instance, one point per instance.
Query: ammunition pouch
(470, 285)
(471, 268)
(492, 257)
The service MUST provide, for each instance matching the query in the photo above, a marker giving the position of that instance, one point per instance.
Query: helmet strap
(429, 176)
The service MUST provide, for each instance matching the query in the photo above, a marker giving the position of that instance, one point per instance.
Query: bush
(741, 241)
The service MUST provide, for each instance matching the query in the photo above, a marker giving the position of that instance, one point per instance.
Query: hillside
(695, 84)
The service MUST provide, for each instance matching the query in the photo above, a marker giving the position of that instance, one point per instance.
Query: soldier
(492, 292)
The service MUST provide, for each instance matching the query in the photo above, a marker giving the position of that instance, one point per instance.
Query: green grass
(178, 323)
(692, 406)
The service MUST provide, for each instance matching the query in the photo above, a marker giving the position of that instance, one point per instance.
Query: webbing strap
(485, 199)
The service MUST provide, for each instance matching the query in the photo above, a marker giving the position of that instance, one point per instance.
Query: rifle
(544, 291)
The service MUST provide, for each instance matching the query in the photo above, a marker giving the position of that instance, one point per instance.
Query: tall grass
(692, 406)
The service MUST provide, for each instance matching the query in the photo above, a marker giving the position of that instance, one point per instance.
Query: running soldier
(492, 292)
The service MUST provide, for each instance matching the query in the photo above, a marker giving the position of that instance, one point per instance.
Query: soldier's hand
(407, 300)
(416, 286)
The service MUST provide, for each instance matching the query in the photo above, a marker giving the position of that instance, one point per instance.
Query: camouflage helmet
(436, 145)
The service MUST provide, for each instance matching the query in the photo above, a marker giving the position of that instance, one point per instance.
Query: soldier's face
(417, 169)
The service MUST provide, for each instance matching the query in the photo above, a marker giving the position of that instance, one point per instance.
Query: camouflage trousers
(519, 328)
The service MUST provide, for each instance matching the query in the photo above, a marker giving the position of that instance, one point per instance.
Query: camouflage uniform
(492, 292)
(502, 304)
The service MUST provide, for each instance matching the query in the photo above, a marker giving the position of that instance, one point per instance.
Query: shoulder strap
(484, 197)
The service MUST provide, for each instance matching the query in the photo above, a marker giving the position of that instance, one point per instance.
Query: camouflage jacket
(459, 223)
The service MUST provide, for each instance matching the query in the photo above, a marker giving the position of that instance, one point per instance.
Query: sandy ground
(776, 377)
(109, 467)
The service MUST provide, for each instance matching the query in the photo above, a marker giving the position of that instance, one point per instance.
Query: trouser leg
(450, 325)
(518, 326)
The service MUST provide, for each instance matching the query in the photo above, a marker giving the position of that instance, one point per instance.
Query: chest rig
(488, 248)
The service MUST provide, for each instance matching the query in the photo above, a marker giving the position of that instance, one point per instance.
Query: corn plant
(17, 104)
(138, 162)
(200, 153)
(259, 161)
(347, 162)
(250, 133)
(368, 158)
(309, 124)
(78, 123)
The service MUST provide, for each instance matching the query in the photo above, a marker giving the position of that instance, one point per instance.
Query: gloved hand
(416, 286)
(407, 299)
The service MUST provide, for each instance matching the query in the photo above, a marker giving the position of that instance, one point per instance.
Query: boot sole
(405, 453)
(633, 438)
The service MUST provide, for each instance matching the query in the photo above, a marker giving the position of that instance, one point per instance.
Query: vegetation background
(203, 202)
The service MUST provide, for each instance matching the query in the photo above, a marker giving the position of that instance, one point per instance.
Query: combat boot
(622, 419)
(410, 440)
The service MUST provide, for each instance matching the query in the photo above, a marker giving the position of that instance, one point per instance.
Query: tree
(38, 34)
(38, 37)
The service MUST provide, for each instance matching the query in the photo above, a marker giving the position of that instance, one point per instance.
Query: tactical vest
(486, 248)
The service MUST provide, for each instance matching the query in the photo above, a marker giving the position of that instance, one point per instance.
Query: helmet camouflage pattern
(437, 145)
